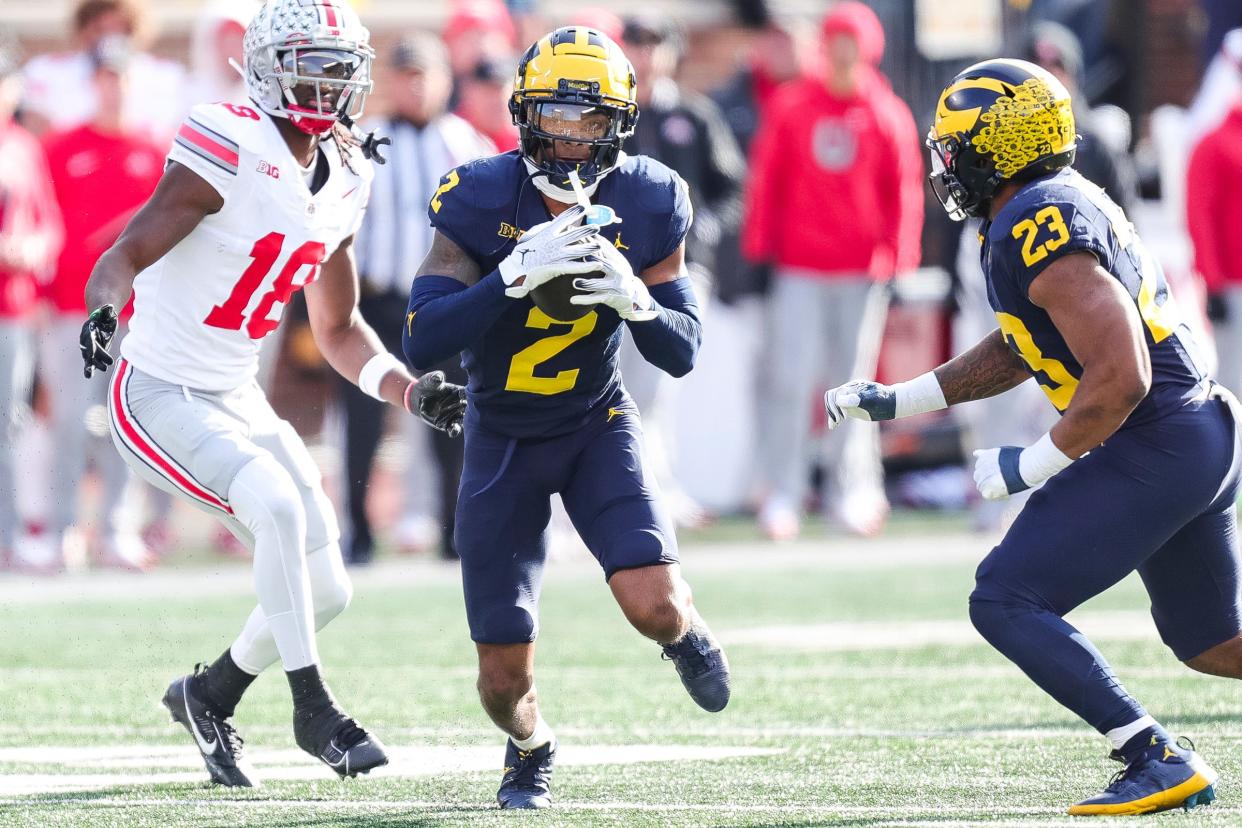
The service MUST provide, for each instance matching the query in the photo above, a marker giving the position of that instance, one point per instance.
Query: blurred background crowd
(816, 248)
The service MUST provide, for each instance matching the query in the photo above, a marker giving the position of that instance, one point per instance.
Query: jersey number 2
(522, 369)
(231, 314)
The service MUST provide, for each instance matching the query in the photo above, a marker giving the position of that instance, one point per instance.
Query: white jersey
(201, 312)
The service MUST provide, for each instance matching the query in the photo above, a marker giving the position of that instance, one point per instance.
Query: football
(553, 297)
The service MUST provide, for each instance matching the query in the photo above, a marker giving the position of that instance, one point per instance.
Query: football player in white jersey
(256, 202)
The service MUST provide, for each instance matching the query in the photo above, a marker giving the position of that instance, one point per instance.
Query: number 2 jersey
(530, 375)
(201, 311)
(1062, 214)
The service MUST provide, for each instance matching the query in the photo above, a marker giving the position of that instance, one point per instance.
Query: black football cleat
(703, 668)
(339, 742)
(214, 734)
(528, 777)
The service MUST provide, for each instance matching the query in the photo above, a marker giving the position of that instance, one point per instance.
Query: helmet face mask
(322, 85)
(308, 62)
(574, 105)
(560, 137)
(997, 122)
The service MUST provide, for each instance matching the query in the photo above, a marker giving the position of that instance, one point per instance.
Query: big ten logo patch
(508, 231)
(270, 170)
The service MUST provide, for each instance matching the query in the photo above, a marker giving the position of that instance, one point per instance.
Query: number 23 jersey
(1062, 214)
(531, 375)
(201, 311)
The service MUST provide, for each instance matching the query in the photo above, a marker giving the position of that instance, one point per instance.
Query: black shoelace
(692, 651)
(1122, 775)
(528, 771)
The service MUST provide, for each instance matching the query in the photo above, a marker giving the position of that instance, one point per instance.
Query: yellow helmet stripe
(951, 121)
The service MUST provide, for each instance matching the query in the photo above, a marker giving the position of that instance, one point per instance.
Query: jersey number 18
(231, 315)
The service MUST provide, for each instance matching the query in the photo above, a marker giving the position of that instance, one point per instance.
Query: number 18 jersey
(1062, 214)
(201, 311)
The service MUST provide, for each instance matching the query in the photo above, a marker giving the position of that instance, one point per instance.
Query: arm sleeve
(203, 145)
(444, 317)
(1203, 193)
(671, 340)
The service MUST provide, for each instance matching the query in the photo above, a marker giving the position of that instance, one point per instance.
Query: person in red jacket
(1213, 216)
(103, 172)
(30, 236)
(835, 206)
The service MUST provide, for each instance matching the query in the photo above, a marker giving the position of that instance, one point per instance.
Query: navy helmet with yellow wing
(574, 104)
(998, 121)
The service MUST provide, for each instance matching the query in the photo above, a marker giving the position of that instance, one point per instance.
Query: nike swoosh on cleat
(205, 746)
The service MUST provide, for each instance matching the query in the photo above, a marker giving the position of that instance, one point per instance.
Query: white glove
(618, 288)
(865, 400)
(1001, 472)
(548, 250)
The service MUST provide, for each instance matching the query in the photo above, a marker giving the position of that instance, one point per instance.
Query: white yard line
(84, 765)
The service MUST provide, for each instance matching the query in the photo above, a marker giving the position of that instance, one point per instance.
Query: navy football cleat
(528, 777)
(214, 735)
(703, 668)
(339, 742)
(1164, 777)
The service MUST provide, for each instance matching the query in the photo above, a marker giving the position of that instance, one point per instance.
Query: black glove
(96, 335)
(442, 405)
(1216, 309)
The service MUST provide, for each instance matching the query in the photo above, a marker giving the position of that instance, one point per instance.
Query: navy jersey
(1061, 214)
(532, 376)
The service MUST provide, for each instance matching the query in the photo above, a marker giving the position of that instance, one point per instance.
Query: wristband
(373, 374)
(1041, 460)
(919, 395)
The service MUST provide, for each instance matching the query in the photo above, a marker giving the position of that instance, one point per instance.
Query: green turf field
(862, 697)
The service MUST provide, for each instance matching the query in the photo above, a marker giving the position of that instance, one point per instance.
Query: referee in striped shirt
(395, 236)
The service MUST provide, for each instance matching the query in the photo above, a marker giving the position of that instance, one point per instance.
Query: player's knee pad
(267, 501)
(331, 588)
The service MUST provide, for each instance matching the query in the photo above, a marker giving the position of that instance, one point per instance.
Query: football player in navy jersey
(1141, 471)
(548, 412)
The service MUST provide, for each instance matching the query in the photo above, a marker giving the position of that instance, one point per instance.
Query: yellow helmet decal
(1021, 129)
(949, 120)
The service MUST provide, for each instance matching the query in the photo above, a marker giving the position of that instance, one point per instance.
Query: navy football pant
(1158, 498)
(503, 508)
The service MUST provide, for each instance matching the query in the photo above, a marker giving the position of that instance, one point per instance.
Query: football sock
(541, 735)
(1134, 747)
(267, 502)
(223, 684)
(1057, 657)
(310, 694)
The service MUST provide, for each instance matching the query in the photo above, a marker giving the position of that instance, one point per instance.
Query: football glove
(545, 251)
(618, 288)
(866, 400)
(440, 404)
(95, 338)
(1001, 472)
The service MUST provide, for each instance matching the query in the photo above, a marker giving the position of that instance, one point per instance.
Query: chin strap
(543, 182)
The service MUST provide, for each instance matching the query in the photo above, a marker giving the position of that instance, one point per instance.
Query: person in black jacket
(687, 132)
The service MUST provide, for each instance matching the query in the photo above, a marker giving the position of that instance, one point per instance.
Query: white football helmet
(308, 61)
